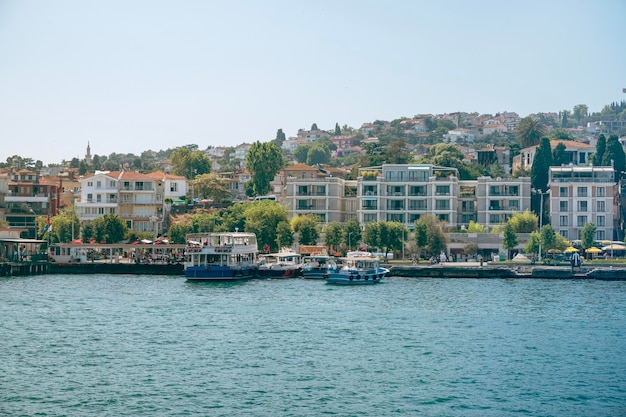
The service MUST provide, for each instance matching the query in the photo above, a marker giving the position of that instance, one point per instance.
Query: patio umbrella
(554, 251)
(593, 249)
(571, 249)
(614, 247)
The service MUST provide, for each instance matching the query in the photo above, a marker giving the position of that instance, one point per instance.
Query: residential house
(578, 153)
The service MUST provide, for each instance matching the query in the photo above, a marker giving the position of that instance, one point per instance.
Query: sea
(125, 345)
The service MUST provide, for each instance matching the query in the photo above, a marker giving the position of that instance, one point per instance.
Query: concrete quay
(474, 270)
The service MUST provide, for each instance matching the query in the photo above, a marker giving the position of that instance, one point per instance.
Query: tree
(597, 157)
(189, 163)
(384, 235)
(397, 152)
(352, 234)
(529, 131)
(280, 138)
(301, 152)
(588, 235)
(564, 119)
(314, 127)
(435, 236)
(337, 130)
(204, 223)
(284, 235)
(524, 222)
(474, 227)
(579, 112)
(614, 156)
(559, 155)
(332, 235)
(177, 233)
(307, 229)
(509, 238)
(263, 218)
(112, 228)
(540, 169)
(210, 186)
(318, 154)
(263, 161)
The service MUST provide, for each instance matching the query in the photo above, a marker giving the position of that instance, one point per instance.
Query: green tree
(435, 237)
(614, 156)
(579, 112)
(318, 154)
(314, 127)
(352, 234)
(234, 217)
(337, 130)
(474, 227)
(564, 119)
(559, 155)
(588, 234)
(204, 223)
(263, 161)
(284, 235)
(421, 236)
(524, 222)
(333, 233)
(263, 218)
(301, 152)
(280, 138)
(113, 227)
(189, 163)
(509, 239)
(177, 233)
(211, 186)
(540, 169)
(307, 229)
(597, 157)
(534, 241)
(529, 131)
(397, 152)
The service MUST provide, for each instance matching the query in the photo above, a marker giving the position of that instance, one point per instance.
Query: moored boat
(220, 256)
(317, 265)
(358, 269)
(283, 264)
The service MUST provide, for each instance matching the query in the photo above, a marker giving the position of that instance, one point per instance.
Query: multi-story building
(404, 192)
(28, 195)
(304, 189)
(498, 199)
(579, 195)
(136, 198)
(578, 154)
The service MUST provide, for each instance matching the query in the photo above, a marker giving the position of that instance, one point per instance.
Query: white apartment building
(583, 194)
(99, 195)
(497, 199)
(304, 189)
(404, 192)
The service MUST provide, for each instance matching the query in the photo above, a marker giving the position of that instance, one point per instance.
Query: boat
(317, 265)
(220, 256)
(283, 264)
(358, 269)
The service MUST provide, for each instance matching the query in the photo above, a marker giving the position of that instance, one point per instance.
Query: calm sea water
(160, 346)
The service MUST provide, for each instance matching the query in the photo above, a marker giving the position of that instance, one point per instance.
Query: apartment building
(582, 194)
(304, 189)
(136, 198)
(497, 199)
(404, 192)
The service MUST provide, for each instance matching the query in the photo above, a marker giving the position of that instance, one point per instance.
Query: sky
(128, 76)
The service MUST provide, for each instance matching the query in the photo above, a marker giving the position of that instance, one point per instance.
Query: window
(564, 233)
(582, 191)
(600, 234)
(174, 187)
(99, 198)
(98, 184)
(600, 206)
(601, 221)
(444, 218)
(442, 205)
(89, 183)
(582, 220)
(442, 190)
(600, 192)
(563, 192)
(90, 197)
(563, 206)
(563, 221)
(582, 206)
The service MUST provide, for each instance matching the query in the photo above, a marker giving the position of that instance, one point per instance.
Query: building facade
(581, 195)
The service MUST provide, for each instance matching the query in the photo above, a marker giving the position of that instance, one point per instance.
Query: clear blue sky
(129, 76)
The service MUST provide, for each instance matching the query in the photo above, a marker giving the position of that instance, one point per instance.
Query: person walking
(575, 261)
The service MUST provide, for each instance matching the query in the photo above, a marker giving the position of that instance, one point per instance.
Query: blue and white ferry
(220, 256)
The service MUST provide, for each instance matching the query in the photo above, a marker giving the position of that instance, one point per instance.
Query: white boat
(220, 256)
(283, 264)
(358, 269)
(317, 265)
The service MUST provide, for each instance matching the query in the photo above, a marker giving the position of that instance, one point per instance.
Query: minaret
(88, 154)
